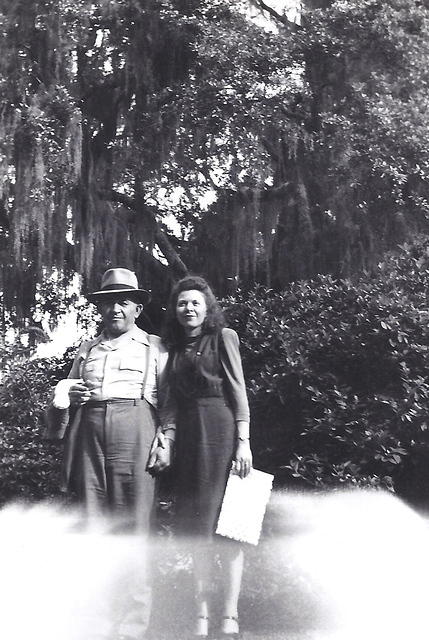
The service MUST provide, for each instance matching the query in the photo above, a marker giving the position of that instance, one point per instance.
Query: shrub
(337, 373)
(337, 381)
(29, 466)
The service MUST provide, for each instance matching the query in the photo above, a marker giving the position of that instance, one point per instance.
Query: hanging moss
(308, 127)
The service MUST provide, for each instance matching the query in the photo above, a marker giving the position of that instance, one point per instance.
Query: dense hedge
(337, 373)
(337, 379)
(29, 465)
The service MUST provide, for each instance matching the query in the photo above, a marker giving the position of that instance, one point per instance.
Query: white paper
(244, 505)
(61, 392)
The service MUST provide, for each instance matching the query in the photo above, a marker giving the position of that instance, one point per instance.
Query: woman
(207, 401)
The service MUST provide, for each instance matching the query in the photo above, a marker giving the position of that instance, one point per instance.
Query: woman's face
(191, 310)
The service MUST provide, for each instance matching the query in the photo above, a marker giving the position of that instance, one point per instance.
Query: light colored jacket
(58, 420)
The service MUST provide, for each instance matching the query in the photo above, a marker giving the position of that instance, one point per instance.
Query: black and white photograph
(214, 301)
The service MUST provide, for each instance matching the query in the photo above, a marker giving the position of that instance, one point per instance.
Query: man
(112, 447)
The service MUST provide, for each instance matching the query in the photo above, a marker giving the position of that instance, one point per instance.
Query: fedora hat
(119, 281)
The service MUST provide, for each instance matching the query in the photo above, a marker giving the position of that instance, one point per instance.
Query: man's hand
(79, 393)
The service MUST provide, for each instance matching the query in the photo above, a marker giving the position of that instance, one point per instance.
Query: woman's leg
(203, 563)
(231, 555)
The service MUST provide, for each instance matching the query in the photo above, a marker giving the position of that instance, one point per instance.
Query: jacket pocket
(132, 363)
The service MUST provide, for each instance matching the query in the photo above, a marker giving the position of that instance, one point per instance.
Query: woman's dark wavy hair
(173, 333)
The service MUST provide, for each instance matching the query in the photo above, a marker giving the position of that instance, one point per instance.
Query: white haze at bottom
(363, 558)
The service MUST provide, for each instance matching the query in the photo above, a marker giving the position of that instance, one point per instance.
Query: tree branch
(161, 238)
(284, 189)
(263, 6)
(120, 198)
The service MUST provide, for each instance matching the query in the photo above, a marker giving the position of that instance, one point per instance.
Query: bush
(337, 373)
(337, 380)
(29, 466)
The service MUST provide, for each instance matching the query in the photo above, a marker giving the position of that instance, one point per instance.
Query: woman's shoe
(202, 630)
(230, 628)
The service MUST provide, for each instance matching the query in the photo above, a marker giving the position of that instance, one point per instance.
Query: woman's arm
(166, 402)
(231, 363)
(232, 366)
(162, 449)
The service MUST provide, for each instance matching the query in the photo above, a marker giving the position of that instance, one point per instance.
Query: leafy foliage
(327, 142)
(29, 466)
(337, 380)
(337, 373)
(310, 141)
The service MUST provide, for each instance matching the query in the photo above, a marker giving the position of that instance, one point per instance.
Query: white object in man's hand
(62, 398)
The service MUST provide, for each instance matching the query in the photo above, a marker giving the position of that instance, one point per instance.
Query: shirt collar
(133, 334)
(139, 335)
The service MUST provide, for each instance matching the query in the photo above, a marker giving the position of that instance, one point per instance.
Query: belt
(102, 403)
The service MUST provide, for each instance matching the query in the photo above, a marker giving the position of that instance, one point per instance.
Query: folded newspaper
(244, 505)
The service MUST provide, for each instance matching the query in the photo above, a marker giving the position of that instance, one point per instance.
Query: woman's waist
(190, 401)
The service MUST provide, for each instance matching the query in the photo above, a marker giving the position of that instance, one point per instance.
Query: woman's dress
(208, 393)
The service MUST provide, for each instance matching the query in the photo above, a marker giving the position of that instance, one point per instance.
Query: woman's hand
(160, 458)
(243, 458)
(79, 393)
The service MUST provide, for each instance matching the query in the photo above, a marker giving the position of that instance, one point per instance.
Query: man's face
(119, 314)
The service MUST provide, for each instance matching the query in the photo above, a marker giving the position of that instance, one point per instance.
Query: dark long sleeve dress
(207, 391)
